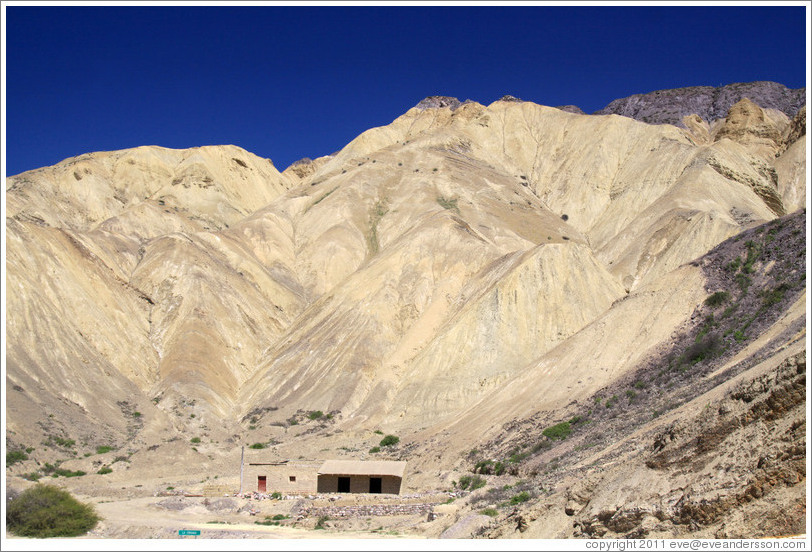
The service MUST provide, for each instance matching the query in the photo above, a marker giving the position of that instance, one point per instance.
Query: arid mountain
(462, 277)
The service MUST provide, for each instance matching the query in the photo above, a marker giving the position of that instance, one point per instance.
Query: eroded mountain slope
(426, 275)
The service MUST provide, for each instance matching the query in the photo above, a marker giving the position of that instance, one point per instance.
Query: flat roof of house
(360, 467)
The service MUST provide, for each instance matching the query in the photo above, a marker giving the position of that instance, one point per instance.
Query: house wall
(358, 484)
(278, 478)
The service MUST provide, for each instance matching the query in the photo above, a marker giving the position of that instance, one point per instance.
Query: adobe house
(284, 476)
(355, 476)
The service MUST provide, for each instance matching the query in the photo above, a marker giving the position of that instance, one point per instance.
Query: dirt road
(142, 518)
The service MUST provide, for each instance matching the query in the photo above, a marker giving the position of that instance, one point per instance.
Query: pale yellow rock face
(750, 125)
(436, 267)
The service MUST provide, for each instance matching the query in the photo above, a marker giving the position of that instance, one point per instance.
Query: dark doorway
(375, 484)
(261, 483)
(343, 484)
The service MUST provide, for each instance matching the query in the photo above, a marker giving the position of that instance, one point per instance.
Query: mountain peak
(439, 101)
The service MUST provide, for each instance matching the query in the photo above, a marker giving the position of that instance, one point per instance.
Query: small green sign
(190, 532)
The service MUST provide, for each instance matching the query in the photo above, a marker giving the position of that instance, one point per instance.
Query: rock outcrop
(710, 103)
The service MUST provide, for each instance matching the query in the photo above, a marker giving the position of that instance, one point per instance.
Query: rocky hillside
(462, 277)
(710, 103)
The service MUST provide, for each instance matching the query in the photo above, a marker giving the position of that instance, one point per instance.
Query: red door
(261, 483)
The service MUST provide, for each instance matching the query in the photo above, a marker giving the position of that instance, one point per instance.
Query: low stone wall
(365, 510)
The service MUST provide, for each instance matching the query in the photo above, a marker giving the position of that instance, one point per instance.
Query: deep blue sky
(290, 82)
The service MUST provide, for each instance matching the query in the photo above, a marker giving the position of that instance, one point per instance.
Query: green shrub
(105, 470)
(257, 446)
(45, 511)
(523, 496)
(472, 482)
(68, 473)
(276, 495)
(753, 253)
(707, 348)
(774, 296)
(541, 445)
(315, 414)
(733, 265)
(518, 457)
(267, 521)
(373, 450)
(743, 281)
(389, 440)
(320, 522)
(279, 517)
(493, 512)
(194, 440)
(137, 414)
(558, 432)
(448, 203)
(484, 466)
(102, 449)
(14, 456)
(717, 299)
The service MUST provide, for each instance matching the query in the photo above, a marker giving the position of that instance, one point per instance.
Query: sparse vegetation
(717, 299)
(492, 512)
(321, 521)
(194, 440)
(101, 449)
(105, 470)
(376, 214)
(321, 198)
(62, 442)
(472, 482)
(523, 496)
(257, 446)
(45, 511)
(448, 203)
(375, 449)
(315, 414)
(707, 347)
(14, 456)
